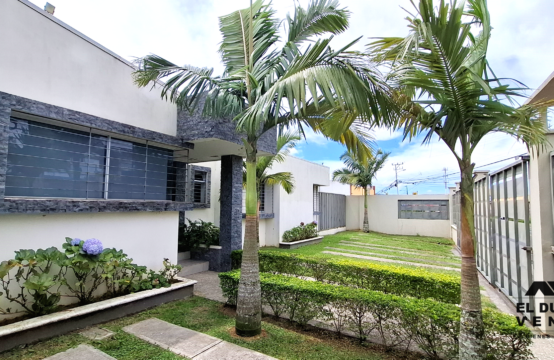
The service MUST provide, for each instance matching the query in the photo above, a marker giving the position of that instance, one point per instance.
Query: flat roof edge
(76, 32)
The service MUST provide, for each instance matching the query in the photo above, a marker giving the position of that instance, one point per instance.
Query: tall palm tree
(285, 142)
(360, 174)
(447, 89)
(268, 83)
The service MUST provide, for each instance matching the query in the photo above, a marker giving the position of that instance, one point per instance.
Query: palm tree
(446, 88)
(266, 84)
(285, 142)
(360, 174)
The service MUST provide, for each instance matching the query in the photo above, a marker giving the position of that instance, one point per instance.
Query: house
(85, 153)
(279, 211)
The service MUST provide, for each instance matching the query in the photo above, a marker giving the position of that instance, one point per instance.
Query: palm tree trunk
(471, 325)
(258, 221)
(248, 321)
(366, 219)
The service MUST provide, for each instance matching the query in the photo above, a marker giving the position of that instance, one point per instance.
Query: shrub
(197, 235)
(38, 281)
(81, 269)
(301, 232)
(433, 326)
(391, 279)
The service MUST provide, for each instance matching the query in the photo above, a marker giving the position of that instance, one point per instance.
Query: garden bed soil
(300, 243)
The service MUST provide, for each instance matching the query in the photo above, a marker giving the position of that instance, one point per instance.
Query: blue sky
(186, 32)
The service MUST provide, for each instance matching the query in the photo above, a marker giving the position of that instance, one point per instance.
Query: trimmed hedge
(398, 322)
(388, 279)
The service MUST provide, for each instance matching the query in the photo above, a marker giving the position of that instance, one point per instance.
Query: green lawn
(214, 319)
(415, 249)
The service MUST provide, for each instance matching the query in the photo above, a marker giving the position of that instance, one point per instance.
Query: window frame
(91, 133)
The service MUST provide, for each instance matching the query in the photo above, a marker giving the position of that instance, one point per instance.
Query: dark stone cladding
(262, 216)
(194, 126)
(10, 102)
(230, 221)
(57, 206)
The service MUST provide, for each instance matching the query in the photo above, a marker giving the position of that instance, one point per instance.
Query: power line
(397, 167)
(434, 179)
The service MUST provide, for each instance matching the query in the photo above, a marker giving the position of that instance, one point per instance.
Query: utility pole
(445, 181)
(397, 167)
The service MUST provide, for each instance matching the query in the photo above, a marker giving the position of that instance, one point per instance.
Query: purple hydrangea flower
(75, 242)
(93, 247)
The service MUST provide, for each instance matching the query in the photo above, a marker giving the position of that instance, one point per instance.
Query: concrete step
(193, 266)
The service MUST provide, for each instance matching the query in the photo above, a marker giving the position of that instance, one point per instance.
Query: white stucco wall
(383, 216)
(148, 238)
(44, 61)
(292, 209)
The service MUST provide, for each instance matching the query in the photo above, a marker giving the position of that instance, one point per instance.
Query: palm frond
(284, 179)
(320, 17)
(183, 85)
(246, 39)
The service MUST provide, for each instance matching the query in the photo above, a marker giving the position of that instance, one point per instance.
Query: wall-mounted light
(49, 8)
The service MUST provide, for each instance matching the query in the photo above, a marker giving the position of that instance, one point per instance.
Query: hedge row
(398, 322)
(388, 279)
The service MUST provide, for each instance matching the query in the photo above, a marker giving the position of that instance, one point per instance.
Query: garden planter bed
(47, 326)
(300, 243)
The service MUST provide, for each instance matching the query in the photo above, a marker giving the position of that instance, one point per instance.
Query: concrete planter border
(59, 323)
(300, 243)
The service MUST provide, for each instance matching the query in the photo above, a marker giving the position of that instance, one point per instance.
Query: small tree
(447, 89)
(360, 174)
(269, 83)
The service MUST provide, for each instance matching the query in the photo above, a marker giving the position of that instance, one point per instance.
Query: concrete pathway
(367, 252)
(383, 246)
(81, 352)
(189, 343)
(395, 250)
(390, 260)
(207, 286)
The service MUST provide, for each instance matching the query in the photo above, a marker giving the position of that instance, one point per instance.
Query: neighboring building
(360, 191)
(86, 153)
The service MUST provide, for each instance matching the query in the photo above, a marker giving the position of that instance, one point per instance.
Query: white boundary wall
(383, 216)
(148, 238)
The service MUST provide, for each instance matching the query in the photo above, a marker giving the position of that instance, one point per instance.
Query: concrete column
(230, 221)
(542, 226)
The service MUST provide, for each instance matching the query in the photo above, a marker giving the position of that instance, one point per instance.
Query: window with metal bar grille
(48, 161)
(266, 199)
(199, 191)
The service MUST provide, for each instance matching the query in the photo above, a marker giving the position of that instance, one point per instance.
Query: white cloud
(384, 134)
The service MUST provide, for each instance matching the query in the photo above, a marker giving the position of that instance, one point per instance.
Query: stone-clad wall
(193, 126)
(9, 103)
(230, 221)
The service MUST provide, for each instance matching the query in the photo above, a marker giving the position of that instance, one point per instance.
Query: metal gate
(332, 211)
(502, 229)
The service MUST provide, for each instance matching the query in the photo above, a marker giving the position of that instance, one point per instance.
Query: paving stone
(175, 338)
(389, 260)
(228, 351)
(95, 333)
(388, 255)
(81, 352)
